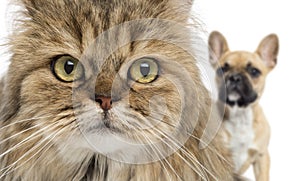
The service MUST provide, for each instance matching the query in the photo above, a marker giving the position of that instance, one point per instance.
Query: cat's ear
(185, 5)
(33, 6)
(217, 47)
(29, 4)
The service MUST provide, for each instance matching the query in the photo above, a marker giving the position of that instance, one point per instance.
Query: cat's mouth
(103, 123)
(103, 127)
(108, 125)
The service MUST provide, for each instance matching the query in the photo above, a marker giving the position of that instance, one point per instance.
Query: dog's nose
(105, 102)
(236, 78)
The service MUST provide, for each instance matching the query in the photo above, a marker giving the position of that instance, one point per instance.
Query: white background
(244, 24)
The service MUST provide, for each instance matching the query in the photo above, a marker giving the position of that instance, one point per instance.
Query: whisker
(199, 172)
(214, 150)
(19, 133)
(153, 147)
(209, 147)
(70, 136)
(24, 120)
(51, 136)
(183, 150)
(36, 134)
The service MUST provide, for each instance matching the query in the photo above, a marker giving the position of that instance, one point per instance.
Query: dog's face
(240, 74)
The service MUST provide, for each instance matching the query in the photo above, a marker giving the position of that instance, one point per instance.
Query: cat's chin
(118, 145)
(112, 146)
(106, 138)
(103, 127)
(108, 143)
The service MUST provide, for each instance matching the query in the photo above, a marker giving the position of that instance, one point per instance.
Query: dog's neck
(243, 115)
(235, 112)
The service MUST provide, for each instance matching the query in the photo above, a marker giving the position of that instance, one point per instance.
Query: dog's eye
(254, 72)
(67, 68)
(144, 70)
(223, 69)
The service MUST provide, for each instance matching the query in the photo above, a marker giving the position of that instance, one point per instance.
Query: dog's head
(240, 74)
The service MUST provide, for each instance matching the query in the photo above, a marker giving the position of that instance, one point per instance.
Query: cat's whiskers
(172, 147)
(155, 150)
(210, 147)
(50, 137)
(189, 155)
(25, 120)
(186, 150)
(153, 147)
(28, 139)
(20, 133)
(65, 145)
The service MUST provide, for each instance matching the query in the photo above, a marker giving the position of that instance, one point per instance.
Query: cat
(106, 90)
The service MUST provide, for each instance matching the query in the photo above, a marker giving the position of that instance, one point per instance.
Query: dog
(240, 79)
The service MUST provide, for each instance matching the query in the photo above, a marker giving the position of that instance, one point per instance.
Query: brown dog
(240, 79)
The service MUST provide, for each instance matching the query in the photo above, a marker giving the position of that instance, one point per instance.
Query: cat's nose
(105, 102)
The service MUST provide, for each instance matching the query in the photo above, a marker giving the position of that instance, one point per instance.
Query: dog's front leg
(261, 167)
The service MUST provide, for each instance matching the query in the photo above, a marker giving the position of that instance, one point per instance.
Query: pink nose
(105, 102)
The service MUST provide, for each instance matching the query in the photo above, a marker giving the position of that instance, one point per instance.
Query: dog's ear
(217, 47)
(268, 50)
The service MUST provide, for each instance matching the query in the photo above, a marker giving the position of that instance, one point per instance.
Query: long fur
(39, 133)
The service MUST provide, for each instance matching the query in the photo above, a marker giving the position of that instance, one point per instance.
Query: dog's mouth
(237, 93)
(240, 99)
(233, 96)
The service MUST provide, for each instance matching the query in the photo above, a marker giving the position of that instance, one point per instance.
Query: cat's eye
(67, 68)
(144, 70)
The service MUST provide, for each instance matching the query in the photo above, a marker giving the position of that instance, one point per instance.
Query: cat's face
(88, 81)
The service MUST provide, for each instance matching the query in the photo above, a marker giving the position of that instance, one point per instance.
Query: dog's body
(240, 80)
(248, 134)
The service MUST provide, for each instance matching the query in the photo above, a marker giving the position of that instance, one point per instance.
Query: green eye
(67, 68)
(144, 70)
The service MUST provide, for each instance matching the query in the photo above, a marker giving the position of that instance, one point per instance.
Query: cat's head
(106, 76)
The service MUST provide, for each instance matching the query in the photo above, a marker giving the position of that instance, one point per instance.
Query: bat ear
(217, 47)
(268, 50)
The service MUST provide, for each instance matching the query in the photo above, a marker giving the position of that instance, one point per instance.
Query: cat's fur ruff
(31, 92)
